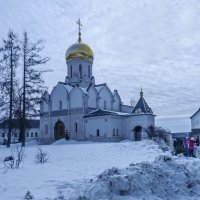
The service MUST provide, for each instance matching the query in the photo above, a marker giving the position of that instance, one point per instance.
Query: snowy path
(69, 165)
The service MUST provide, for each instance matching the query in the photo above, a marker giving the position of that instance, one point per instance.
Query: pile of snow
(70, 167)
(64, 141)
(165, 178)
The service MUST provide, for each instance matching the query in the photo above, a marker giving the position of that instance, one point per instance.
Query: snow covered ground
(81, 170)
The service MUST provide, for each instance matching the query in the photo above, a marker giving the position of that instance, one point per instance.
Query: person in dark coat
(197, 141)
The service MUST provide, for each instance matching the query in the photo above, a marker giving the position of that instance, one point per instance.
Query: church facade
(89, 111)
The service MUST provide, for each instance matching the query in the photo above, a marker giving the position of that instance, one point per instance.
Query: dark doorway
(59, 130)
(138, 133)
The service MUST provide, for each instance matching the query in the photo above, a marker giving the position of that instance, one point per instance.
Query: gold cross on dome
(79, 30)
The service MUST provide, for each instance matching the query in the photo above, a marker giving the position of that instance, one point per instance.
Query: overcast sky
(154, 44)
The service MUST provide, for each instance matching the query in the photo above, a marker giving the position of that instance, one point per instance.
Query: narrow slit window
(76, 127)
(98, 133)
(71, 71)
(89, 71)
(80, 70)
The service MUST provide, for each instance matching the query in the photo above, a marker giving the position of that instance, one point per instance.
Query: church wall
(58, 94)
(105, 101)
(110, 128)
(44, 127)
(117, 127)
(92, 99)
(76, 70)
(76, 98)
(44, 107)
(93, 124)
(138, 120)
(195, 121)
(47, 127)
(116, 104)
(76, 124)
(80, 72)
(76, 116)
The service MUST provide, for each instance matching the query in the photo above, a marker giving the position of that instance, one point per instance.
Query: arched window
(71, 71)
(80, 70)
(89, 71)
(27, 134)
(31, 134)
(36, 134)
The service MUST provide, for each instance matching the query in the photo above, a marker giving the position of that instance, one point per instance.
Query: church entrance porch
(138, 133)
(59, 130)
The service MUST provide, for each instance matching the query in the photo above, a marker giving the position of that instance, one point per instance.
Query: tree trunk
(11, 100)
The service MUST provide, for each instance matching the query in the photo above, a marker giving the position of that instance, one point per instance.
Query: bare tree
(132, 102)
(10, 53)
(41, 156)
(33, 84)
(15, 160)
(157, 132)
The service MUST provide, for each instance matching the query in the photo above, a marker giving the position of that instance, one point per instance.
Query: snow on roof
(101, 112)
(98, 87)
(84, 90)
(68, 88)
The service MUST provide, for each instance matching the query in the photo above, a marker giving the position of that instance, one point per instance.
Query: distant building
(31, 131)
(180, 135)
(90, 111)
(195, 123)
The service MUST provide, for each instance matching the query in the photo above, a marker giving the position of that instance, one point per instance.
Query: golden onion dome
(79, 50)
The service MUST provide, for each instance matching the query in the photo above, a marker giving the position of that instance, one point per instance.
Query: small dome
(79, 50)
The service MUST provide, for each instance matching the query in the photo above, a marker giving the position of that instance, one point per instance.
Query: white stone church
(89, 111)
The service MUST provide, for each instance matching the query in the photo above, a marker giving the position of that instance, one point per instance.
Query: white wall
(58, 94)
(195, 121)
(138, 120)
(76, 98)
(15, 134)
(105, 95)
(94, 123)
(44, 106)
(92, 98)
(32, 132)
(116, 104)
(116, 123)
(105, 124)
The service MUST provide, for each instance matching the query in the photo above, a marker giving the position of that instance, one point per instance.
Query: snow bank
(64, 141)
(165, 178)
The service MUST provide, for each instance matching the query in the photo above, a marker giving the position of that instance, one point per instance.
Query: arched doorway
(138, 133)
(59, 130)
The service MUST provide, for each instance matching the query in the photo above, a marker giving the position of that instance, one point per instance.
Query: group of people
(186, 146)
